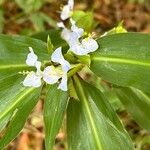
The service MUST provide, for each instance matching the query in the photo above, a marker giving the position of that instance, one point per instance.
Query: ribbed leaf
(124, 59)
(22, 106)
(54, 108)
(92, 123)
(138, 105)
(54, 35)
(13, 95)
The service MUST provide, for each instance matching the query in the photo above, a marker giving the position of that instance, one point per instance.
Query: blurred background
(28, 17)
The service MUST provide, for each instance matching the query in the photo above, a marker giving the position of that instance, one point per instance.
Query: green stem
(75, 70)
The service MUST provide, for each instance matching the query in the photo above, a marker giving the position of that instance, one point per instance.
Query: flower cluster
(78, 44)
(50, 74)
(75, 36)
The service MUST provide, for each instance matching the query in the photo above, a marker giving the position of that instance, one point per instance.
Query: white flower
(73, 35)
(57, 57)
(63, 83)
(89, 44)
(67, 10)
(66, 34)
(51, 74)
(84, 47)
(33, 79)
(76, 29)
(60, 25)
(31, 58)
(71, 4)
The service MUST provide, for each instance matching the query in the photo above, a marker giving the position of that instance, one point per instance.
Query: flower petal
(32, 80)
(63, 83)
(65, 66)
(77, 30)
(66, 12)
(89, 44)
(58, 58)
(51, 75)
(31, 58)
(66, 34)
(60, 25)
(78, 49)
(71, 4)
(38, 68)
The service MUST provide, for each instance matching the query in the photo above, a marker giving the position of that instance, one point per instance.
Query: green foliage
(124, 60)
(88, 22)
(137, 103)
(92, 123)
(30, 5)
(54, 108)
(95, 121)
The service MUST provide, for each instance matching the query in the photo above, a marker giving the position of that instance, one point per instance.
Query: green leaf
(92, 123)
(14, 50)
(13, 95)
(138, 105)
(38, 22)
(54, 36)
(49, 20)
(30, 5)
(24, 103)
(118, 29)
(54, 108)
(50, 46)
(123, 59)
(88, 22)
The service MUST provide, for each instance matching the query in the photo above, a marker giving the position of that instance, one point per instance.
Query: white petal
(63, 83)
(38, 68)
(32, 80)
(66, 12)
(60, 25)
(74, 39)
(31, 58)
(57, 56)
(78, 49)
(51, 75)
(71, 4)
(90, 44)
(65, 66)
(65, 34)
(77, 30)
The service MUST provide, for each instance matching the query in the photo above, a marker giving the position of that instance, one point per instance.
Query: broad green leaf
(54, 108)
(30, 5)
(92, 123)
(24, 103)
(123, 59)
(54, 35)
(138, 105)
(13, 53)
